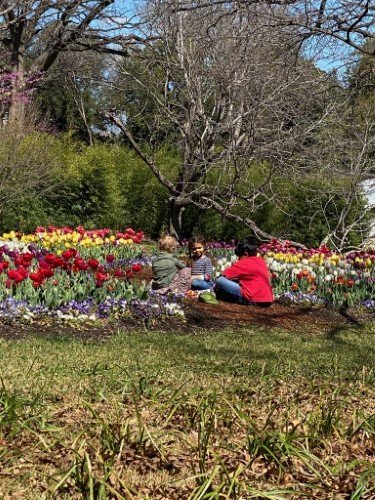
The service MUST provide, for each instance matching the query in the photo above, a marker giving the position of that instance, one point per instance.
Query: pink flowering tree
(34, 33)
(16, 89)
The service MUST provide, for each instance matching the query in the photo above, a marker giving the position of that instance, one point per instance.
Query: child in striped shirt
(201, 265)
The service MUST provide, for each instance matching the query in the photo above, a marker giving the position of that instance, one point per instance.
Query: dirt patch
(198, 317)
(276, 316)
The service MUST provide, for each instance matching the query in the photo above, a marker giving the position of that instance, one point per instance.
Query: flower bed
(317, 276)
(75, 273)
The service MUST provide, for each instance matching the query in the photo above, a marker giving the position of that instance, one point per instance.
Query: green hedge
(107, 185)
(98, 186)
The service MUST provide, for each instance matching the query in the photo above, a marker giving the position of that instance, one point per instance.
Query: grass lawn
(249, 413)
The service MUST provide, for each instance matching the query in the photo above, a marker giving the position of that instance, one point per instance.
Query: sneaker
(208, 297)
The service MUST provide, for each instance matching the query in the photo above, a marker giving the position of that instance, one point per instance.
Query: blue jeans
(228, 290)
(197, 284)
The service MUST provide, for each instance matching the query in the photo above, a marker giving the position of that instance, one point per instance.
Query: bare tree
(69, 94)
(239, 101)
(349, 156)
(329, 23)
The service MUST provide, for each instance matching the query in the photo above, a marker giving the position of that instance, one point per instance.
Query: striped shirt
(202, 266)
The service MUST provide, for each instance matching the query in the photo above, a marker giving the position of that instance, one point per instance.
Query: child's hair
(249, 246)
(167, 243)
(194, 240)
(202, 241)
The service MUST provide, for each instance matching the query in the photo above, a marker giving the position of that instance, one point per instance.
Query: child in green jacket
(169, 273)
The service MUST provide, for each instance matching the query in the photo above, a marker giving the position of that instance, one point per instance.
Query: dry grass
(244, 414)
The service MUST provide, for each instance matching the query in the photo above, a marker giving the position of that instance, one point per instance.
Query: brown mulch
(290, 317)
(277, 316)
(199, 317)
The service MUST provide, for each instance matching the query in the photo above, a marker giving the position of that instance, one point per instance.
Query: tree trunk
(17, 104)
(16, 116)
(175, 221)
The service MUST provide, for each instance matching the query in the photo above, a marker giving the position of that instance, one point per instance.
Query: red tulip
(67, 254)
(50, 259)
(17, 275)
(136, 267)
(43, 264)
(12, 273)
(101, 276)
(80, 265)
(35, 277)
(46, 272)
(59, 262)
(22, 271)
(27, 256)
(4, 265)
(93, 263)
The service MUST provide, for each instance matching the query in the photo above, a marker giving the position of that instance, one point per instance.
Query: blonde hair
(167, 243)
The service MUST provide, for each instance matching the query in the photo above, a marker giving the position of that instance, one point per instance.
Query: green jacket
(165, 268)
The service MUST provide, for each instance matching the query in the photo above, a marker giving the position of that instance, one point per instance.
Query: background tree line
(211, 117)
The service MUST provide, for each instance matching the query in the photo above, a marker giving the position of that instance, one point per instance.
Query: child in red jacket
(247, 281)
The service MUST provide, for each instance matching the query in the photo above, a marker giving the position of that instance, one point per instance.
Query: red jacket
(253, 277)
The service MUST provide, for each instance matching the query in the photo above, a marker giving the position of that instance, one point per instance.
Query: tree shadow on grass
(350, 322)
